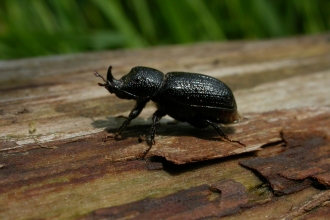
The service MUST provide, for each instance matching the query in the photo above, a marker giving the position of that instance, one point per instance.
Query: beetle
(197, 99)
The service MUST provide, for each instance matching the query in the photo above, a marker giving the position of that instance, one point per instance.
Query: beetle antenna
(98, 75)
(109, 74)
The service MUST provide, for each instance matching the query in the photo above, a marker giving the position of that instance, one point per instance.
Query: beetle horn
(109, 75)
(110, 79)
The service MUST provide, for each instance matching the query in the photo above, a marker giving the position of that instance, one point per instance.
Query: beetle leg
(134, 113)
(156, 117)
(151, 139)
(223, 135)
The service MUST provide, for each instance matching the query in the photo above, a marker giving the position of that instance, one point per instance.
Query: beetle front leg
(134, 113)
(223, 135)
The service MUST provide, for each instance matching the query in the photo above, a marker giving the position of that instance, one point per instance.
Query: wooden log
(53, 117)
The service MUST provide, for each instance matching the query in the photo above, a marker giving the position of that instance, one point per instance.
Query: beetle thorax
(142, 82)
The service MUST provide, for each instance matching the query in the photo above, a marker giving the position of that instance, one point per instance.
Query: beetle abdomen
(188, 113)
(197, 90)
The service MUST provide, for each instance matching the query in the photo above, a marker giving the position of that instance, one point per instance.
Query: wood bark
(53, 117)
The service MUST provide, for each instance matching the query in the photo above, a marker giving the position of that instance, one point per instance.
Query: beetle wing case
(198, 90)
(196, 95)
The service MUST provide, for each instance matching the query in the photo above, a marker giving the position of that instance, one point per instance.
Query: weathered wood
(53, 117)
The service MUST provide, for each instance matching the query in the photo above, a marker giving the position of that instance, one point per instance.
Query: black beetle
(195, 98)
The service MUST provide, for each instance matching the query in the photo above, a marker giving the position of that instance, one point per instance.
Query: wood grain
(53, 116)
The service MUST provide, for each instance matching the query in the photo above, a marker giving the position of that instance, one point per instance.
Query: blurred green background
(43, 27)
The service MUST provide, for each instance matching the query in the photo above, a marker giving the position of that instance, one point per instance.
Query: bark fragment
(255, 131)
(305, 159)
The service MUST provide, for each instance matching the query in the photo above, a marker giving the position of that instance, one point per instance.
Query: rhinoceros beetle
(198, 99)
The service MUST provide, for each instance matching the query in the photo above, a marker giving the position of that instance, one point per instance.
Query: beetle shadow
(171, 128)
(140, 127)
(111, 125)
(178, 169)
(185, 129)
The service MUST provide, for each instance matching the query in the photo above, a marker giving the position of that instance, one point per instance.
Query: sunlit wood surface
(54, 163)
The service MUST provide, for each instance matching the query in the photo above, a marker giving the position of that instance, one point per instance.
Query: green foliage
(43, 27)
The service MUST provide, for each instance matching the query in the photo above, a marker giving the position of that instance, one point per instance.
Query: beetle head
(113, 85)
(139, 83)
